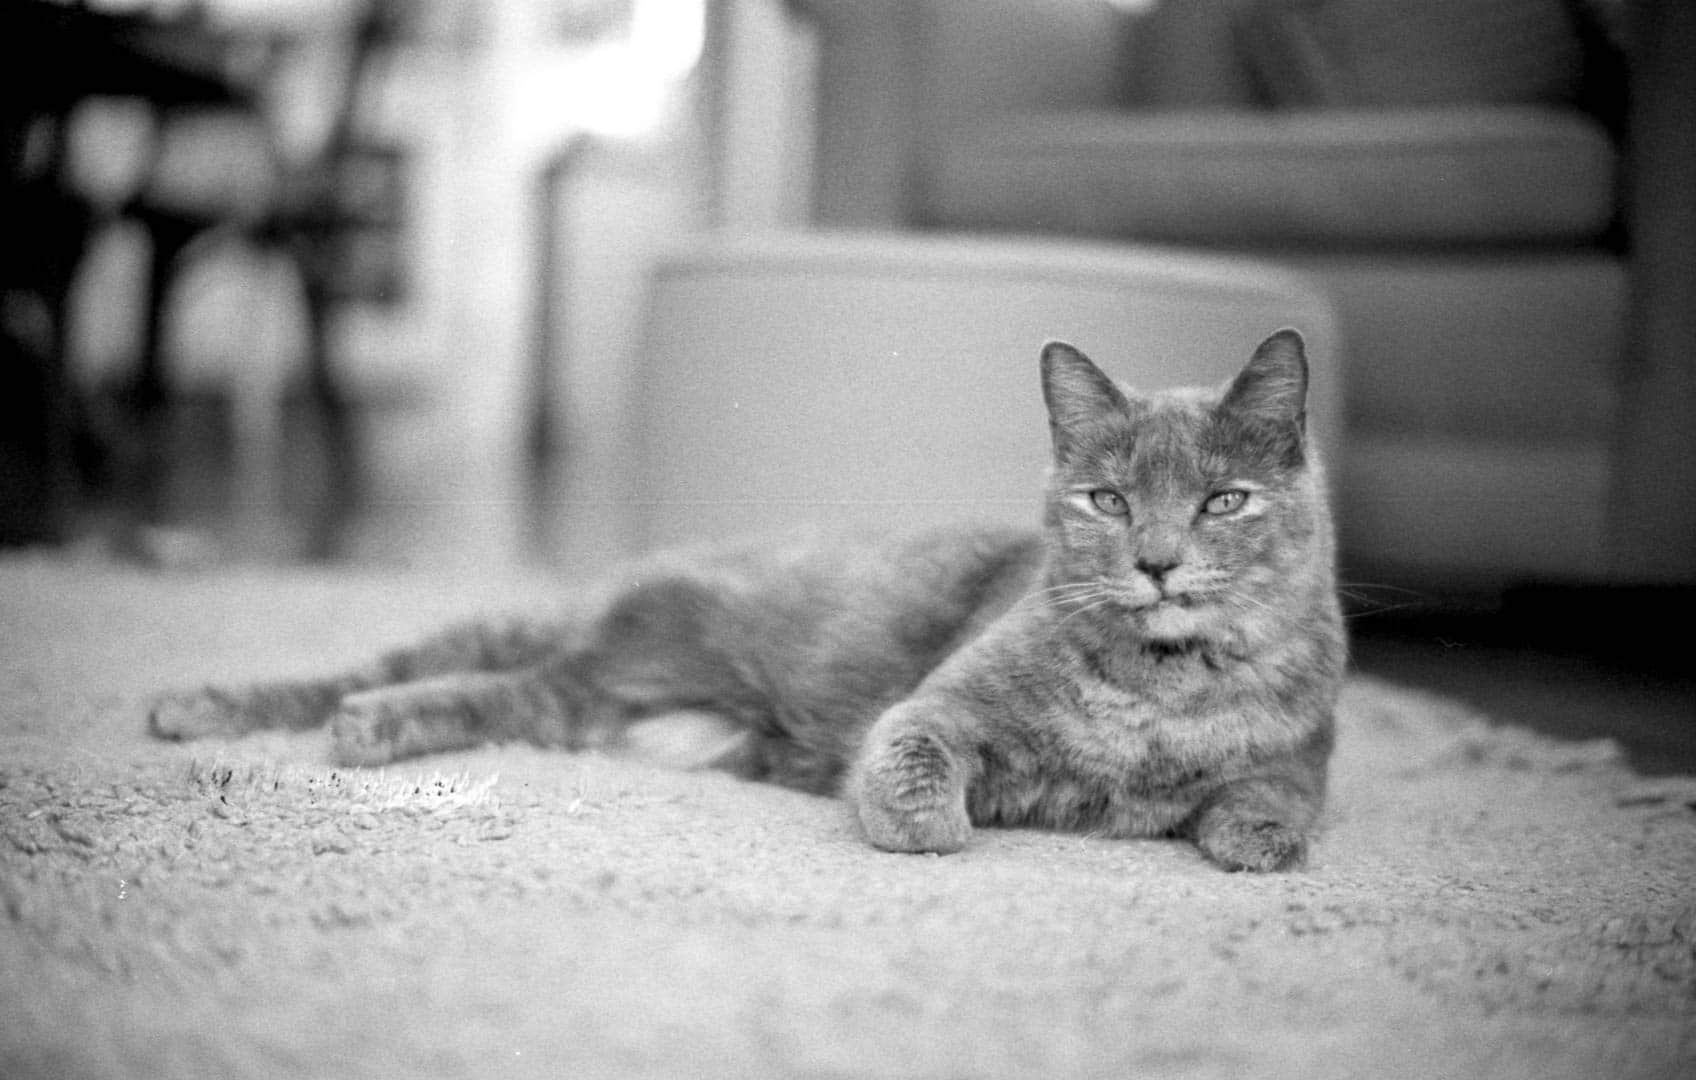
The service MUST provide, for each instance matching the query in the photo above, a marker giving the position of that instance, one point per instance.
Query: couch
(1448, 173)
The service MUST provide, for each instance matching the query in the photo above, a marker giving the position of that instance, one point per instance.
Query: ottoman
(892, 381)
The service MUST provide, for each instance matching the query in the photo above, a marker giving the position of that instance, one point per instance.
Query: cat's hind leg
(458, 712)
(229, 711)
(655, 678)
(298, 704)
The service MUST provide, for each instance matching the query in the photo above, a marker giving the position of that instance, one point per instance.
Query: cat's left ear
(1272, 388)
(1075, 390)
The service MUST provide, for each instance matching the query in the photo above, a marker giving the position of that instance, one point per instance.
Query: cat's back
(822, 570)
(819, 610)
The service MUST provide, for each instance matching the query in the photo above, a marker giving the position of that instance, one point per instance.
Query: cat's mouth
(1143, 599)
(1152, 597)
(1180, 600)
(1170, 616)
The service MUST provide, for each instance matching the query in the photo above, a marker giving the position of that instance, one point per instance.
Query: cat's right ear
(1273, 387)
(1075, 390)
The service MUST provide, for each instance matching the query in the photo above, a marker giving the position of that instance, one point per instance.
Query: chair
(211, 171)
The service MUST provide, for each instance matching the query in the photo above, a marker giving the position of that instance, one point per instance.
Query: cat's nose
(1157, 568)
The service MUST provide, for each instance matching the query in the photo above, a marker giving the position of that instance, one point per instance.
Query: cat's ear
(1272, 388)
(1075, 390)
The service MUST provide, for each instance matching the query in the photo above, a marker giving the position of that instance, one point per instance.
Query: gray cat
(1162, 659)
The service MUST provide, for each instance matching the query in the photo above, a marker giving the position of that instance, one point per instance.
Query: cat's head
(1190, 515)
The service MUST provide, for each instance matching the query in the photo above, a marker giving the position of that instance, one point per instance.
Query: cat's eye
(1225, 502)
(1109, 502)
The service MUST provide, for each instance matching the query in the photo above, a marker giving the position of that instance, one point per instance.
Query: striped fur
(1162, 658)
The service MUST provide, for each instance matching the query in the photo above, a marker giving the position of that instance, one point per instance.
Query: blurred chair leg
(335, 490)
(39, 483)
(545, 440)
(143, 459)
(36, 479)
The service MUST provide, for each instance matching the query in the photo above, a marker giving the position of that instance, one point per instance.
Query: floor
(1606, 670)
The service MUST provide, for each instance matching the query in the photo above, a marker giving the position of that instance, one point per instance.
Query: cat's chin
(1174, 619)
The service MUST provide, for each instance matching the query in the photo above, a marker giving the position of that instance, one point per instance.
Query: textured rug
(1483, 902)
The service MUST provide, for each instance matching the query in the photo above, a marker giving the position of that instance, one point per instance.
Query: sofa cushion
(1348, 53)
(1369, 178)
(1394, 53)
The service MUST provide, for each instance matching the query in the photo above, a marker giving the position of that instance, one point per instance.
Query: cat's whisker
(1089, 599)
(1066, 595)
(1262, 607)
(1346, 586)
(1389, 609)
(1095, 605)
(1243, 596)
(1066, 587)
(1359, 592)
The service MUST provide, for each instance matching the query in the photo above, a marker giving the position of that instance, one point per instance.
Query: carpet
(1483, 902)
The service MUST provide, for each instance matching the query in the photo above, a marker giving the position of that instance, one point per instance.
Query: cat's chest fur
(1123, 756)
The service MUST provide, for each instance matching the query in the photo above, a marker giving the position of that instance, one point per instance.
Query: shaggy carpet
(1483, 902)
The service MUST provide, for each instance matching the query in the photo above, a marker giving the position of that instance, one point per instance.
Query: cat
(1161, 658)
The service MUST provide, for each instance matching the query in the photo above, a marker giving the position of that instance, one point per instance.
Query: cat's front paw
(195, 714)
(908, 797)
(940, 829)
(1256, 845)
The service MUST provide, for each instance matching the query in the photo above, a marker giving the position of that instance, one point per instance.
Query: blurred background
(364, 281)
(330, 279)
